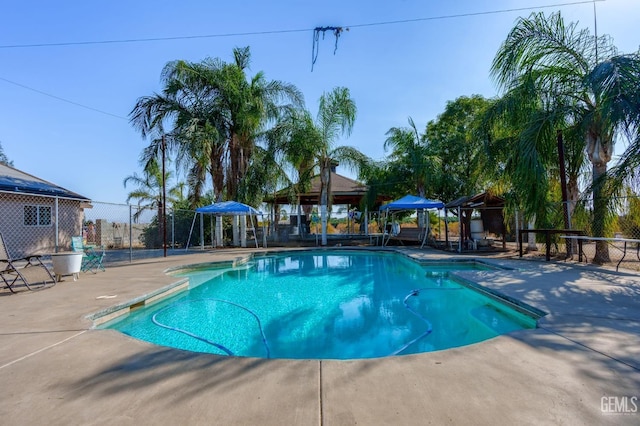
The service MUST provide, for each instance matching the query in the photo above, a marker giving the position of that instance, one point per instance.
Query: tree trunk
(217, 174)
(573, 195)
(599, 152)
(161, 222)
(573, 192)
(234, 167)
(531, 237)
(599, 216)
(325, 182)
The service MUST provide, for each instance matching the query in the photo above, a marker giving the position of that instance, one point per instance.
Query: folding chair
(92, 259)
(29, 270)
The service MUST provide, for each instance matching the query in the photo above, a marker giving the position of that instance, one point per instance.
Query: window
(37, 215)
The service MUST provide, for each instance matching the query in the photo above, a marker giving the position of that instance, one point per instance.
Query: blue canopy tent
(411, 202)
(226, 208)
(408, 202)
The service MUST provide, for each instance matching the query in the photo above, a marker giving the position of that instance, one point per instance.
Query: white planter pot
(66, 263)
(477, 229)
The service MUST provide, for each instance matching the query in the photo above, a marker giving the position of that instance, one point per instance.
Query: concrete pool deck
(581, 366)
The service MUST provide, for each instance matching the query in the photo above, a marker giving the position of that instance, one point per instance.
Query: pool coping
(512, 302)
(113, 312)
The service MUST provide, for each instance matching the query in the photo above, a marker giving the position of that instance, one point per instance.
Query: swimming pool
(323, 305)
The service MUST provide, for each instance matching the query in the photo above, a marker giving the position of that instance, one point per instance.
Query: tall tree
(309, 144)
(454, 137)
(3, 158)
(581, 85)
(149, 190)
(216, 115)
(410, 154)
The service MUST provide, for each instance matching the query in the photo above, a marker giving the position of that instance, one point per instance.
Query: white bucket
(477, 229)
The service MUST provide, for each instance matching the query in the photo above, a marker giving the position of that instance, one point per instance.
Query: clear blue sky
(393, 71)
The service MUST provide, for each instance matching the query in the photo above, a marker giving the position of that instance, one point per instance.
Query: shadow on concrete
(177, 376)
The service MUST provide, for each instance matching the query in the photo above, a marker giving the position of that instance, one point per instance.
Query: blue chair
(92, 259)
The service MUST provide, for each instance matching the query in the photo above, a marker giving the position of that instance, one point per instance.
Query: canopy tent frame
(227, 208)
(409, 202)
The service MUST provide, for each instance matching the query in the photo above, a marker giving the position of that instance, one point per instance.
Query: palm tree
(410, 151)
(184, 107)
(578, 84)
(217, 114)
(336, 116)
(149, 190)
(239, 107)
(308, 144)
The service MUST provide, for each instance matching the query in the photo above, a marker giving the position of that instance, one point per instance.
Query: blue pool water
(323, 305)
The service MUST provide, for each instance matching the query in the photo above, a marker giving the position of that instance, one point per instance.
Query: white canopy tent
(227, 208)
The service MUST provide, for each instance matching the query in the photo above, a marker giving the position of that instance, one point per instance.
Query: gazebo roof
(343, 190)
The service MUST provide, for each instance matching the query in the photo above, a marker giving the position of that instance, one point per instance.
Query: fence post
(517, 227)
(201, 231)
(130, 233)
(173, 227)
(57, 227)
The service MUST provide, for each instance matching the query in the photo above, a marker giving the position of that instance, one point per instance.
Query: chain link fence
(40, 224)
(615, 239)
(37, 224)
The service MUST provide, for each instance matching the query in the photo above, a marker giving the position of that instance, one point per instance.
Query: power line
(465, 15)
(299, 30)
(253, 33)
(61, 99)
(152, 39)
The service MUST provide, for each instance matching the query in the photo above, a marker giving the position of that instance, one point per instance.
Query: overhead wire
(62, 99)
(471, 14)
(251, 33)
(295, 30)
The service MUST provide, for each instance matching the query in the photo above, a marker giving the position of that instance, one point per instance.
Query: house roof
(18, 182)
(343, 190)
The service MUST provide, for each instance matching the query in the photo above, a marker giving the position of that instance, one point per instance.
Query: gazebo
(344, 191)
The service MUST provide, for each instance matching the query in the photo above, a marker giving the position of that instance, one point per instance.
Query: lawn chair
(91, 259)
(29, 270)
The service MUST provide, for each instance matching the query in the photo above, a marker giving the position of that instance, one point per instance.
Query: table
(67, 263)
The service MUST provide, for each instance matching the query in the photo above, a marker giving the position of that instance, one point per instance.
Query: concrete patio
(579, 367)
